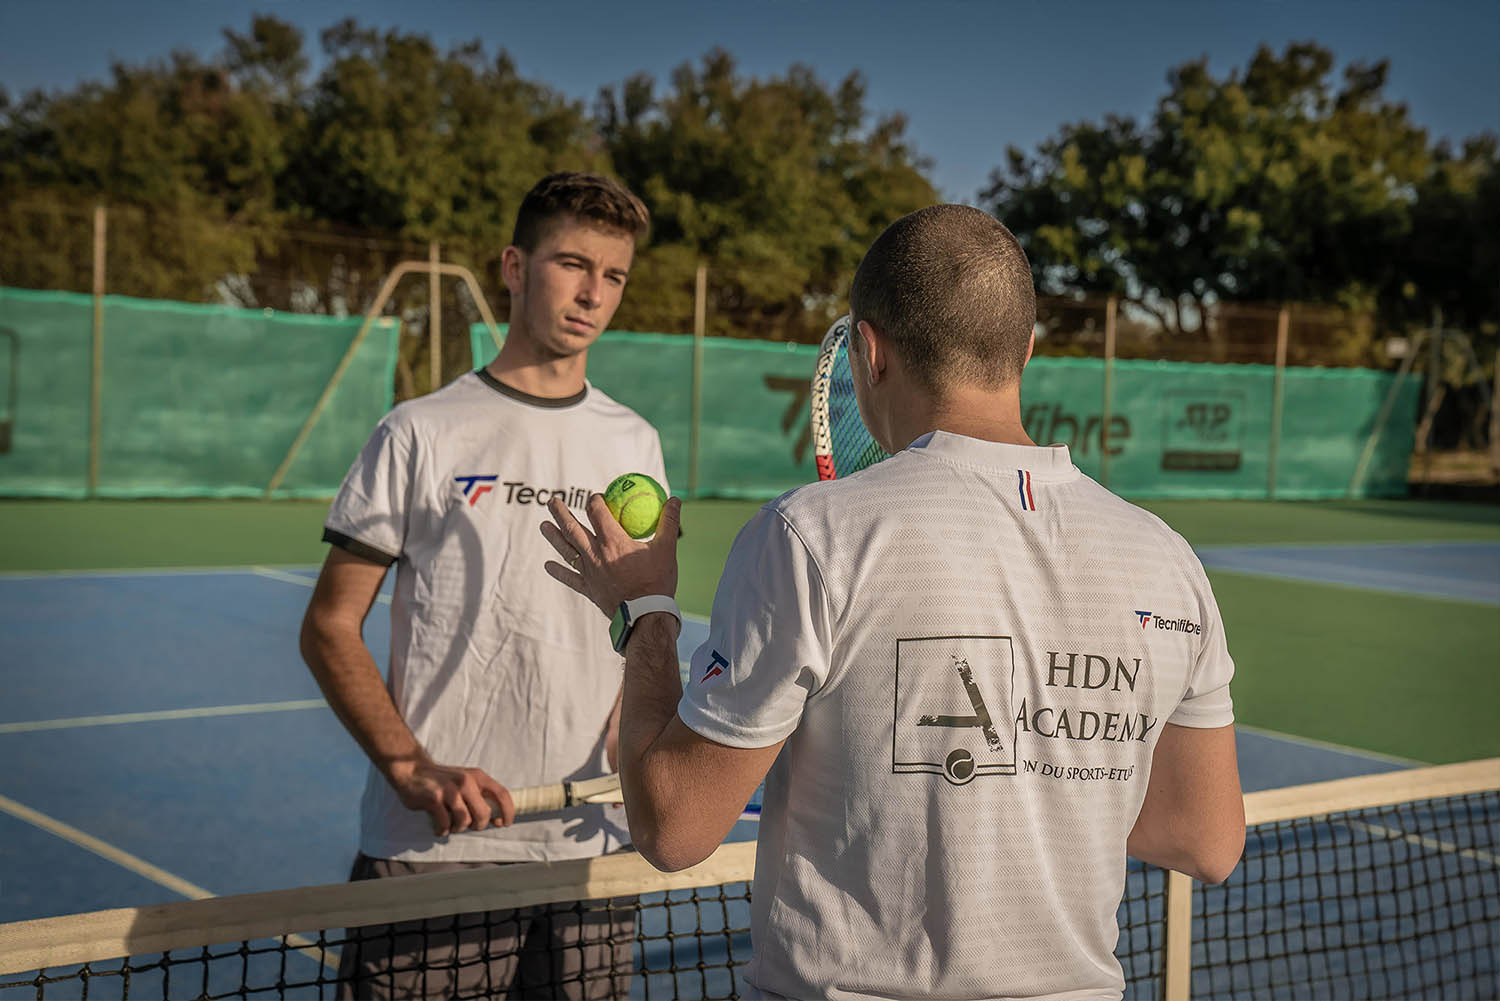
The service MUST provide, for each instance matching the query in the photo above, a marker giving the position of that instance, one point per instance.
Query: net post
(1278, 397)
(434, 318)
(1177, 965)
(700, 329)
(1110, 307)
(96, 350)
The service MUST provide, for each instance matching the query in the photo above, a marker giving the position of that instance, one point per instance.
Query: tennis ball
(635, 500)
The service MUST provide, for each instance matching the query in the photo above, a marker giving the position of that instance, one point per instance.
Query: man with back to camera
(496, 679)
(976, 677)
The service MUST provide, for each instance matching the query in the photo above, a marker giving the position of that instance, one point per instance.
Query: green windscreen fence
(209, 401)
(194, 401)
(1175, 429)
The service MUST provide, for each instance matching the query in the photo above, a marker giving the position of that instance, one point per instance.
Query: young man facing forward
(496, 680)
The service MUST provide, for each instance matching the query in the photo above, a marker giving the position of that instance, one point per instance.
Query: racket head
(842, 445)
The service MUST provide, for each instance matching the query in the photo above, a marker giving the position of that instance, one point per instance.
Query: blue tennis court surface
(1463, 571)
(164, 740)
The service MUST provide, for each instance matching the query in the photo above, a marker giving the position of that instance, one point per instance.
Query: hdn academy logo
(954, 716)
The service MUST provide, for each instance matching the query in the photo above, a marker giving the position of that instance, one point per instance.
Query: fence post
(1278, 395)
(1495, 420)
(1110, 307)
(700, 329)
(96, 351)
(1434, 399)
(434, 319)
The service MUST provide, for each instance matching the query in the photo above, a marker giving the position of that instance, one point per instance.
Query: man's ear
(513, 268)
(1030, 347)
(872, 351)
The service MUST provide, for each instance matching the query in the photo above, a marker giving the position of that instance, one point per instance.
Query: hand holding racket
(841, 443)
(605, 789)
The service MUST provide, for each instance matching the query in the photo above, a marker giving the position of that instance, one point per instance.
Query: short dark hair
(590, 198)
(952, 289)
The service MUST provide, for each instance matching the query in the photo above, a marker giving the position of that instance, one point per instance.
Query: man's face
(569, 287)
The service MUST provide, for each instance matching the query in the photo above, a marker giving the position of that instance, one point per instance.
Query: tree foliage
(1275, 183)
(243, 179)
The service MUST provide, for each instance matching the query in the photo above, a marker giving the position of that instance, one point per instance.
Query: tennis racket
(841, 443)
(604, 789)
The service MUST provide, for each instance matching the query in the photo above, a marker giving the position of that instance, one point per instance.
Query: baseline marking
(139, 866)
(1328, 745)
(161, 714)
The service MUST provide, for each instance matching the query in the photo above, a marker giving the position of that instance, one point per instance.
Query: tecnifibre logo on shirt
(1170, 625)
(476, 487)
(516, 492)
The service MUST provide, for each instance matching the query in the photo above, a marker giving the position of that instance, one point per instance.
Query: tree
(1270, 185)
(781, 183)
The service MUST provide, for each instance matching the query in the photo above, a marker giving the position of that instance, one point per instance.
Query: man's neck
(989, 415)
(520, 366)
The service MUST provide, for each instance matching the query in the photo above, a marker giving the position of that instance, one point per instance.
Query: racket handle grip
(539, 799)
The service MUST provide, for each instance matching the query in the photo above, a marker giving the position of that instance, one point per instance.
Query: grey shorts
(580, 949)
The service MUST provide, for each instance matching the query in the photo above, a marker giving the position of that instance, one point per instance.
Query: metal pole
(1278, 396)
(434, 319)
(700, 330)
(1434, 363)
(1109, 387)
(1495, 420)
(96, 351)
(371, 314)
(1385, 412)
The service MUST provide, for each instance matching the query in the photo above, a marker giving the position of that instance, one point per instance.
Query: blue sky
(971, 76)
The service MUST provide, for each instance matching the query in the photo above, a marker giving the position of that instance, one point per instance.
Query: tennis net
(1382, 886)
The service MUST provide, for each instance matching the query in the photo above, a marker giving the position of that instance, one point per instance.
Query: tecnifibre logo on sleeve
(1170, 625)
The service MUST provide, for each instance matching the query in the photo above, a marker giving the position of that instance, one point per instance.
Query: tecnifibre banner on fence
(194, 400)
(1175, 429)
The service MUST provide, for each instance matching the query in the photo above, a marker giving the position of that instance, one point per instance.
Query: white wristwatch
(626, 615)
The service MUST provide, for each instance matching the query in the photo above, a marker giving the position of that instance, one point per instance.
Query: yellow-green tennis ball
(635, 500)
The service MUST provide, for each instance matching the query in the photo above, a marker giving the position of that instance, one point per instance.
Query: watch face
(617, 627)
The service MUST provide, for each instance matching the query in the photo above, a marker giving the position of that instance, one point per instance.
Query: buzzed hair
(589, 198)
(952, 289)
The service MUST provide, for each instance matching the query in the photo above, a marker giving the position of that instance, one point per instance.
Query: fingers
(604, 523)
(504, 812)
(564, 548)
(562, 574)
(670, 525)
(571, 531)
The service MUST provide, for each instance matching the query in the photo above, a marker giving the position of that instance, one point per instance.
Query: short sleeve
(1206, 703)
(369, 515)
(769, 642)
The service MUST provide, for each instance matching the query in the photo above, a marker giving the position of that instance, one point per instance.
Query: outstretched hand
(606, 565)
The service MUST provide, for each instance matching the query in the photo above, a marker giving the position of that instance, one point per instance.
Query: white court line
(150, 717)
(1390, 834)
(139, 866)
(1327, 745)
(130, 572)
(104, 850)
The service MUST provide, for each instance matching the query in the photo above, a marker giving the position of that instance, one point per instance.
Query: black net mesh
(1398, 901)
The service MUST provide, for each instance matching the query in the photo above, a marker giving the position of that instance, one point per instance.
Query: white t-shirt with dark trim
(970, 649)
(493, 664)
